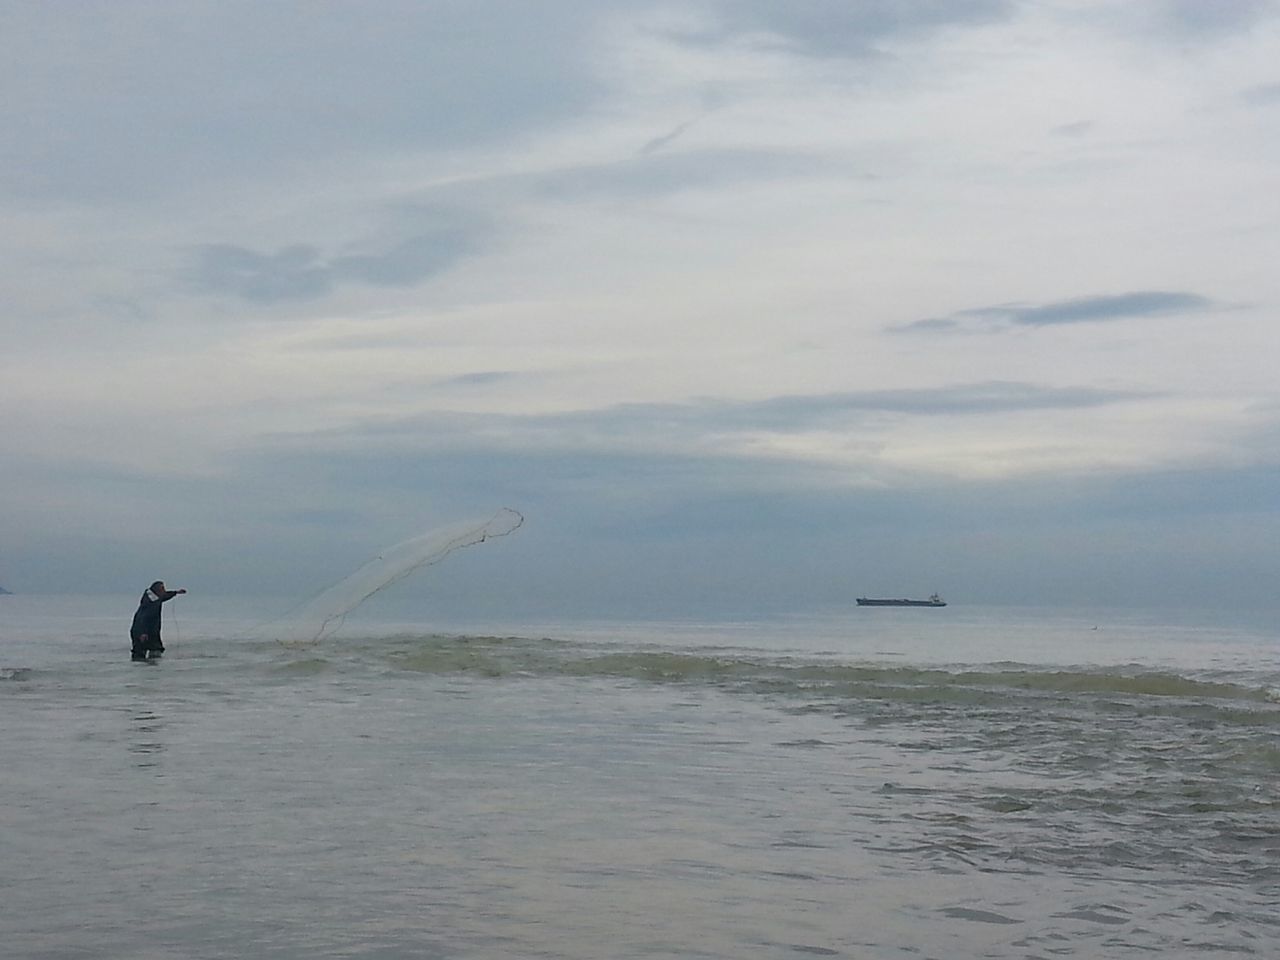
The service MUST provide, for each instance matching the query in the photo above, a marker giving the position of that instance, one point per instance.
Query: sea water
(862, 783)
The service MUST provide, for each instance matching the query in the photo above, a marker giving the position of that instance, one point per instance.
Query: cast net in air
(324, 613)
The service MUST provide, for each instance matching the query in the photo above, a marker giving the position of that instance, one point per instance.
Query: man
(145, 632)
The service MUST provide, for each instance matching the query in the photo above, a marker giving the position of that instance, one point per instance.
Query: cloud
(1197, 19)
(1182, 22)
(301, 272)
(1079, 128)
(292, 273)
(407, 263)
(481, 378)
(963, 399)
(620, 259)
(803, 412)
(1104, 307)
(699, 430)
(637, 512)
(1262, 95)
(657, 173)
(840, 28)
(193, 98)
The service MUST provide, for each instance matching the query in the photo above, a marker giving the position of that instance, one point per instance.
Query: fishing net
(324, 613)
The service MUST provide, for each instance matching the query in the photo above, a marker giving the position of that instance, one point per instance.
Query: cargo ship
(933, 601)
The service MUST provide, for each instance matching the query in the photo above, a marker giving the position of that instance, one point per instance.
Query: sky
(746, 305)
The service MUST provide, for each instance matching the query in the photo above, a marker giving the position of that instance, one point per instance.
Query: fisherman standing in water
(145, 632)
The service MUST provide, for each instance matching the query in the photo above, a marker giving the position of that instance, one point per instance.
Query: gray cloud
(800, 412)
(187, 97)
(407, 263)
(1143, 303)
(1079, 128)
(1262, 95)
(854, 28)
(657, 173)
(301, 272)
(294, 273)
(1104, 307)
(655, 426)
(963, 399)
(666, 518)
(1198, 19)
(633, 529)
(482, 378)
(1180, 22)
(135, 129)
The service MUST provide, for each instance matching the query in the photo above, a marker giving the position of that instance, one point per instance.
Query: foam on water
(793, 676)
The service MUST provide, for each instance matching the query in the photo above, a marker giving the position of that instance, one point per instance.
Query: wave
(792, 677)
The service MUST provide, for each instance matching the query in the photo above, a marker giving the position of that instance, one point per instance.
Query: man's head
(157, 587)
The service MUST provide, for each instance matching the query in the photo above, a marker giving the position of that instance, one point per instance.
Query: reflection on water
(145, 742)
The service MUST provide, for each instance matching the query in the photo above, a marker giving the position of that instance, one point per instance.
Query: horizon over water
(864, 783)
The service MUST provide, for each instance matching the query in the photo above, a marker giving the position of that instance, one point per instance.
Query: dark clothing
(145, 632)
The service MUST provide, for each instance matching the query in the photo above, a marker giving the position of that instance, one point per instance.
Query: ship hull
(871, 602)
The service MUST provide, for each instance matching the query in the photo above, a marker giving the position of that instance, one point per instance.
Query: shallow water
(877, 783)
